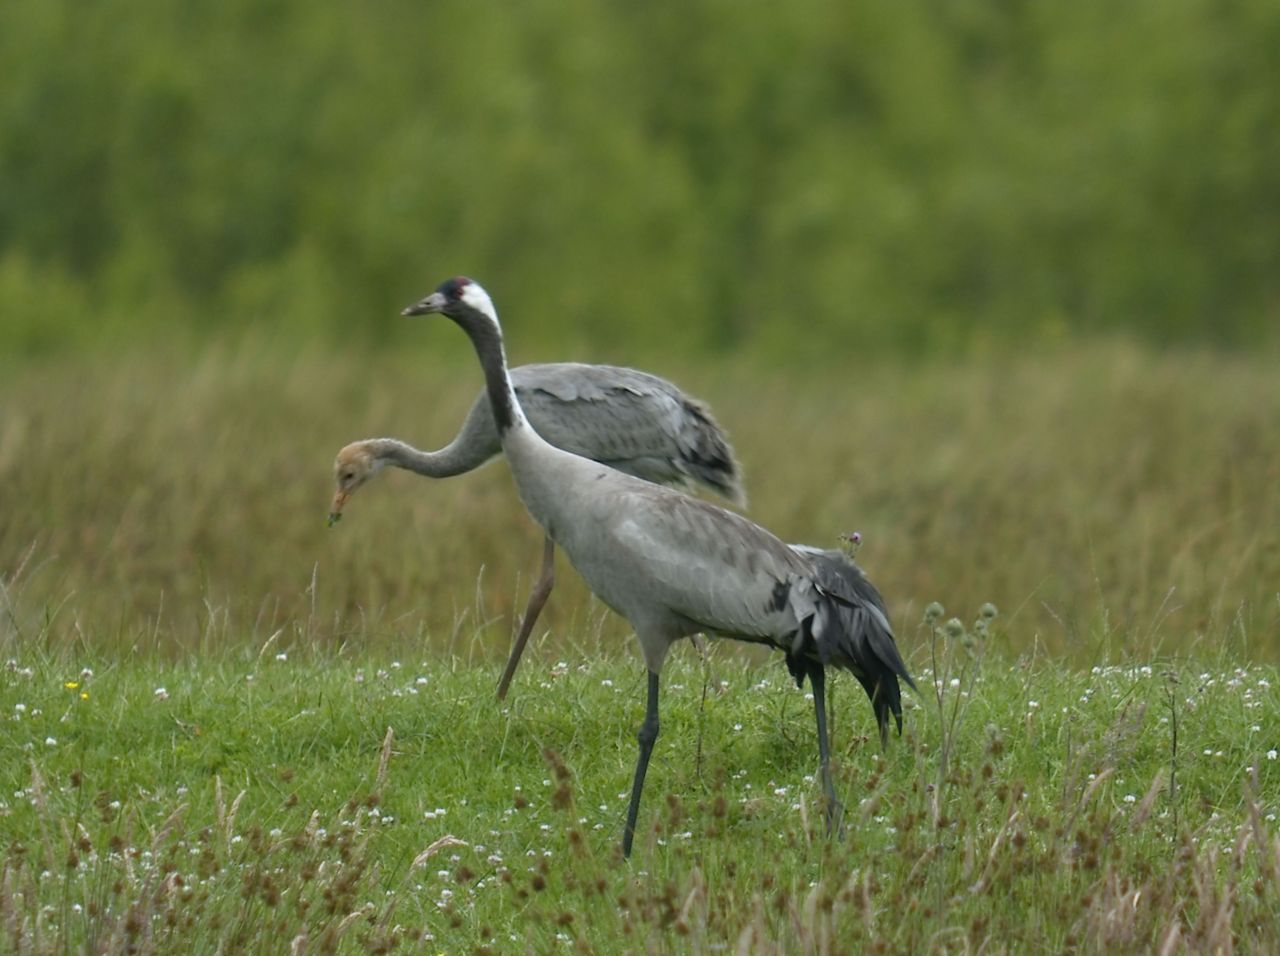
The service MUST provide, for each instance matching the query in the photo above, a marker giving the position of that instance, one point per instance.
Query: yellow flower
(84, 695)
(71, 684)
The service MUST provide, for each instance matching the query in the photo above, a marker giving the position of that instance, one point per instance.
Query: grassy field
(255, 802)
(1112, 501)
(228, 728)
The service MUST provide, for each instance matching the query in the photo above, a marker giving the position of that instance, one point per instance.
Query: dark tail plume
(859, 637)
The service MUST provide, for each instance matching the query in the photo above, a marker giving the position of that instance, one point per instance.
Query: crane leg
(647, 735)
(818, 682)
(537, 598)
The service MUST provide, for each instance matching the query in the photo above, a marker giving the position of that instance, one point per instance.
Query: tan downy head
(354, 466)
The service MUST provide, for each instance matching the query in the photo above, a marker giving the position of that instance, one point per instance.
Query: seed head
(850, 542)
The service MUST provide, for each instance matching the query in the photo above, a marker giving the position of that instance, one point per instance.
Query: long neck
(487, 339)
(543, 473)
(466, 452)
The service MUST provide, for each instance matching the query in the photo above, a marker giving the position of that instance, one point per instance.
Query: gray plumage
(626, 419)
(675, 565)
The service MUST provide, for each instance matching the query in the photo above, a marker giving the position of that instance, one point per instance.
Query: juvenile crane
(621, 417)
(674, 565)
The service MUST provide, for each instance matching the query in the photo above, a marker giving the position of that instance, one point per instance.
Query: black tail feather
(858, 637)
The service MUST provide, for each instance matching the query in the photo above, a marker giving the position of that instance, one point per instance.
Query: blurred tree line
(710, 174)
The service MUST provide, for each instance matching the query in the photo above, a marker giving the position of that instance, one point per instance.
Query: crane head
(354, 465)
(455, 296)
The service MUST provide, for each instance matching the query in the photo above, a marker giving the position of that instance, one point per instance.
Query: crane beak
(339, 502)
(435, 302)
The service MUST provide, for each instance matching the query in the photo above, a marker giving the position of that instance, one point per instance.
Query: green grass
(300, 798)
(1111, 500)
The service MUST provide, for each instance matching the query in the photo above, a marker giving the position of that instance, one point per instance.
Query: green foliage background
(626, 178)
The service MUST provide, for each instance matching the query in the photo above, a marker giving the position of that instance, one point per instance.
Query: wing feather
(630, 420)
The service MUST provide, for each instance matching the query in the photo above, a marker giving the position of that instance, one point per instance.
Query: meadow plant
(267, 805)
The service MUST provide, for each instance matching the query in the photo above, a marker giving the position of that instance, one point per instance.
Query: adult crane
(621, 417)
(674, 565)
